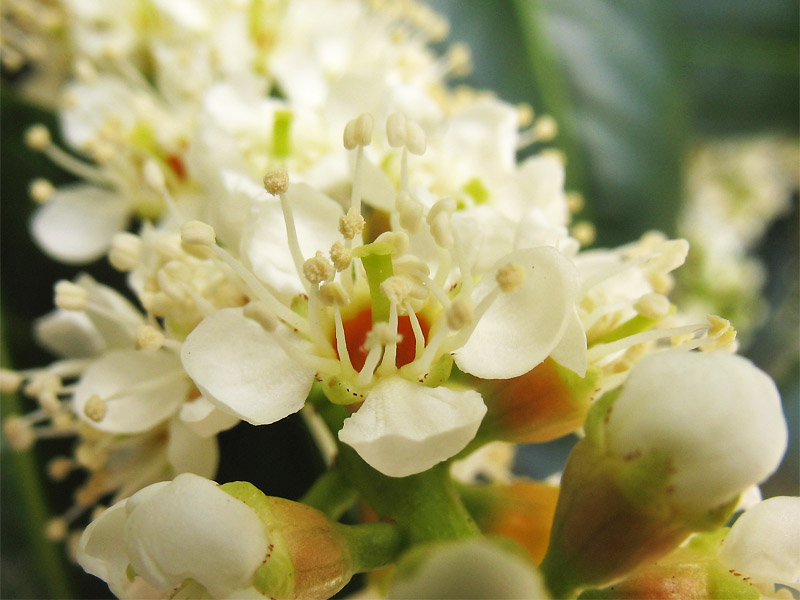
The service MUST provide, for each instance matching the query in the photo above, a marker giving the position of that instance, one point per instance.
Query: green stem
(331, 494)
(373, 545)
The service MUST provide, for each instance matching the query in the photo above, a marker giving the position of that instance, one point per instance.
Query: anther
(37, 137)
(545, 128)
(510, 276)
(653, 306)
(460, 59)
(396, 289)
(95, 408)
(10, 381)
(524, 114)
(584, 232)
(318, 269)
(70, 296)
(381, 334)
(153, 175)
(197, 233)
(351, 224)
(397, 239)
(396, 126)
(670, 255)
(56, 529)
(332, 293)
(341, 256)
(90, 457)
(717, 326)
(125, 251)
(358, 132)
(59, 467)
(19, 433)
(41, 191)
(459, 314)
(149, 338)
(410, 211)
(261, 314)
(276, 182)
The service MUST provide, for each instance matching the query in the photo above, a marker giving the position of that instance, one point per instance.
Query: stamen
(653, 306)
(197, 233)
(318, 269)
(69, 296)
(41, 191)
(341, 344)
(10, 381)
(149, 338)
(510, 276)
(387, 365)
(125, 251)
(599, 351)
(419, 336)
(95, 408)
(341, 256)
(261, 314)
(276, 182)
(351, 224)
(460, 313)
(371, 362)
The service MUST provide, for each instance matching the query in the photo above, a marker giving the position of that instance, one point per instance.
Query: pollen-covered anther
(525, 114)
(95, 408)
(351, 224)
(70, 296)
(276, 182)
(125, 251)
(653, 306)
(459, 314)
(545, 128)
(341, 256)
(49, 402)
(332, 293)
(149, 338)
(510, 276)
(41, 190)
(318, 269)
(261, 314)
(10, 381)
(382, 334)
(37, 137)
(358, 131)
(441, 231)
(396, 289)
(19, 433)
(724, 343)
(197, 233)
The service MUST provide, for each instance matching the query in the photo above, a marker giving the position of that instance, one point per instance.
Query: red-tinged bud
(545, 403)
(521, 511)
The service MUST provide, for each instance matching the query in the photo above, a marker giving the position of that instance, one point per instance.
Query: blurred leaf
(615, 70)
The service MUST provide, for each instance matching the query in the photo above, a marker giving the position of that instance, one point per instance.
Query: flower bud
(543, 404)
(667, 455)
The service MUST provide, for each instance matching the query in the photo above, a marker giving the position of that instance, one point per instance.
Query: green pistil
(377, 261)
(475, 188)
(281, 130)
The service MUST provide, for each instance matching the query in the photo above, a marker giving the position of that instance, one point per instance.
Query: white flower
(764, 543)
(173, 531)
(715, 417)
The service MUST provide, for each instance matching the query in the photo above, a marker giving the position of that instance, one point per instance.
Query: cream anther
(261, 314)
(43, 383)
(441, 231)
(70, 296)
(341, 256)
(717, 326)
(416, 140)
(10, 381)
(153, 175)
(396, 289)
(397, 239)
(19, 433)
(396, 126)
(670, 255)
(41, 191)
(510, 276)
(276, 182)
(197, 233)
(37, 137)
(149, 338)
(724, 343)
(545, 128)
(59, 467)
(459, 314)
(125, 251)
(56, 529)
(653, 306)
(332, 293)
(49, 402)
(382, 334)
(351, 224)
(524, 114)
(358, 131)
(95, 408)
(584, 232)
(410, 211)
(90, 457)
(318, 269)
(460, 58)
(85, 71)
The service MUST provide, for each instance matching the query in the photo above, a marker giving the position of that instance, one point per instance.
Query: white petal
(376, 188)
(191, 529)
(77, 225)
(101, 549)
(187, 452)
(241, 368)
(717, 416)
(68, 333)
(571, 350)
(405, 428)
(118, 331)
(764, 543)
(265, 246)
(468, 569)
(522, 327)
(148, 388)
(202, 417)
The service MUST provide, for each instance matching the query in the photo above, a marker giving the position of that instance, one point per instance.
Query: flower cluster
(311, 219)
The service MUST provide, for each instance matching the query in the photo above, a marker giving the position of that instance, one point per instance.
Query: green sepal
(342, 392)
